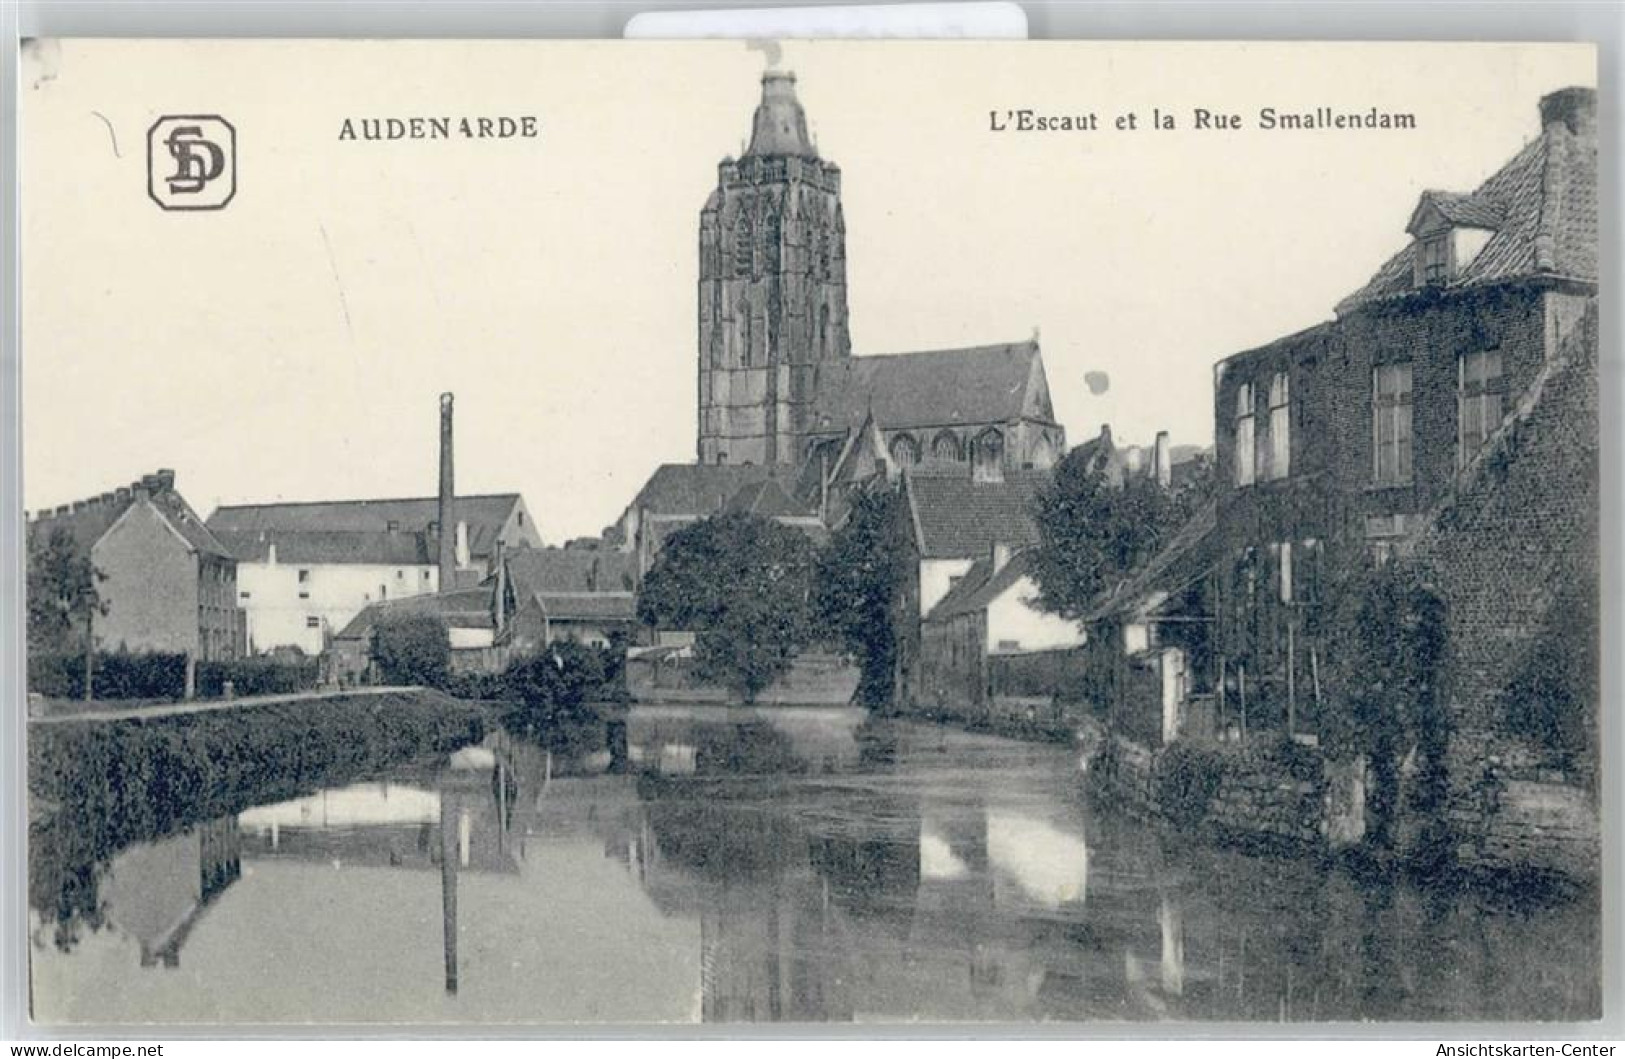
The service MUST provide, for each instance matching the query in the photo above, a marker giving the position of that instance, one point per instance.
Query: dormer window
(1450, 230)
(1433, 259)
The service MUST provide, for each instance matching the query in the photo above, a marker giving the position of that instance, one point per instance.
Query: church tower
(772, 296)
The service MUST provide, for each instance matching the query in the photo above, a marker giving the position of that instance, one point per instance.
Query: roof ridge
(369, 500)
(1553, 185)
(979, 348)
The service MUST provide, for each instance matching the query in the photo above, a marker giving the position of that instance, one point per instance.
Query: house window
(304, 577)
(1284, 569)
(1245, 456)
(425, 575)
(392, 526)
(245, 595)
(313, 622)
(1479, 389)
(1391, 424)
(400, 575)
(1435, 258)
(905, 451)
(1280, 426)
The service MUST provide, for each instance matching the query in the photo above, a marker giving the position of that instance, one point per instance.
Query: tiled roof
(701, 488)
(485, 516)
(464, 608)
(330, 546)
(1542, 206)
(766, 499)
(95, 516)
(981, 384)
(588, 606)
(976, 590)
(957, 518)
(1186, 554)
(571, 570)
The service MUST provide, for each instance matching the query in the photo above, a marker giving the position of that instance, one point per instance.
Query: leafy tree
(557, 684)
(743, 586)
(412, 649)
(1093, 532)
(63, 600)
(860, 574)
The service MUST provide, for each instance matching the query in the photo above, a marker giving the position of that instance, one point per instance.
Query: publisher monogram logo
(191, 162)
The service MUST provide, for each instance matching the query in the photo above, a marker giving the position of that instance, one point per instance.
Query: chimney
(1573, 108)
(998, 556)
(1161, 460)
(448, 500)
(165, 480)
(122, 492)
(499, 613)
(465, 559)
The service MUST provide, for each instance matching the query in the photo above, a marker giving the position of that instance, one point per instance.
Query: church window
(946, 446)
(744, 256)
(987, 455)
(905, 451)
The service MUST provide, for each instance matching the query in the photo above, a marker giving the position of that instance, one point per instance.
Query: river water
(794, 865)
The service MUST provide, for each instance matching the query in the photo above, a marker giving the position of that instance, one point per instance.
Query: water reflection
(808, 865)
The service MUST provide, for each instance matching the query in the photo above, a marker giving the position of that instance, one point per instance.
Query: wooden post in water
(448, 898)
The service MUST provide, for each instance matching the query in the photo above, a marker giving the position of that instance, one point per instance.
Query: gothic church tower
(772, 296)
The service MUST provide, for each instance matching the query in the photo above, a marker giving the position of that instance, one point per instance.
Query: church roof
(1541, 205)
(945, 387)
(779, 127)
(958, 518)
(485, 516)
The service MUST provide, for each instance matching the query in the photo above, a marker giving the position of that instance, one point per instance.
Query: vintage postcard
(818, 532)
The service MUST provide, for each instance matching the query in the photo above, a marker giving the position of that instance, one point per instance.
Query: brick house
(167, 583)
(1360, 431)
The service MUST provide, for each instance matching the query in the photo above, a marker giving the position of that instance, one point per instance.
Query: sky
(292, 345)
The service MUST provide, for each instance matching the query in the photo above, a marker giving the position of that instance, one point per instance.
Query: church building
(778, 383)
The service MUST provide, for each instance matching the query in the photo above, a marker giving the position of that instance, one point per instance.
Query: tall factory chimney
(448, 501)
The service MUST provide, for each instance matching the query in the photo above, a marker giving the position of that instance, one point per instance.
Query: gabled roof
(331, 546)
(957, 518)
(947, 387)
(588, 606)
(701, 488)
(766, 499)
(463, 608)
(570, 570)
(1542, 206)
(485, 516)
(976, 591)
(1187, 554)
(89, 520)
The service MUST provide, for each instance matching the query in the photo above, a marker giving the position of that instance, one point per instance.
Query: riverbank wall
(1288, 797)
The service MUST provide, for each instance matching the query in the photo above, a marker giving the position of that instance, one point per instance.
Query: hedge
(159, 675)
(97, 786)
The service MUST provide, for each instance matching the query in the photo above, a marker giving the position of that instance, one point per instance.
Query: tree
(860, 575)
(412, 649)
(1094, 532)
(556, 685)
(743, 586)
(63, 600)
